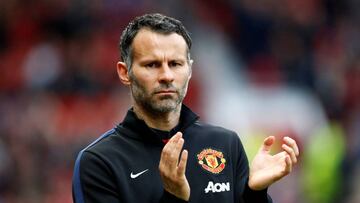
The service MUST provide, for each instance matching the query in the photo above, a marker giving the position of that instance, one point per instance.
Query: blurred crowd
(59, 89)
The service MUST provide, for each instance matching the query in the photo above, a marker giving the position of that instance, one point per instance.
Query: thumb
(268, 142)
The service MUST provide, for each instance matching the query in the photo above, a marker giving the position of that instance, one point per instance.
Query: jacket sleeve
(247, 195)
(256, 196)
(169, 198)
(92, 181)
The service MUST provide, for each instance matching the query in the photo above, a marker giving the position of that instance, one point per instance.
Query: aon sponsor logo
(217, 187)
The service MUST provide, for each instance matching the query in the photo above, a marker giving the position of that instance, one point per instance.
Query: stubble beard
(154, 104)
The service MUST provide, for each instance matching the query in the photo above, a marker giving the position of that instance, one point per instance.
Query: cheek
(185, 77)
(182, 73)
(143, 84)
(141, 77)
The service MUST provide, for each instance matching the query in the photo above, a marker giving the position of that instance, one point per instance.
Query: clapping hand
(172, 170)
(266, 168)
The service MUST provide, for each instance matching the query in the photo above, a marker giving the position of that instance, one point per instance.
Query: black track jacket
(122, 165)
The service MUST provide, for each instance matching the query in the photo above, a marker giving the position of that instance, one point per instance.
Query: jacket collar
(139, 129)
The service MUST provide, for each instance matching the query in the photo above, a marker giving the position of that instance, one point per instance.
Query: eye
(175, 64)
(151, 65)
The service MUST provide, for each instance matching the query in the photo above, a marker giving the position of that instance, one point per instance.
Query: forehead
(150, 43)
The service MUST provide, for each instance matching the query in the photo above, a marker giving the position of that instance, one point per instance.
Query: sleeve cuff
(260, 196)
(168, 197)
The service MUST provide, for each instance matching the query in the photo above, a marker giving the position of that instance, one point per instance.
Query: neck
(161, 121)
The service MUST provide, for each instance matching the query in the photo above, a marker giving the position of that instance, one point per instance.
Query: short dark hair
(155, 22)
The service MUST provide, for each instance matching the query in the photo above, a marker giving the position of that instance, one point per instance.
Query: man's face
(160, 71)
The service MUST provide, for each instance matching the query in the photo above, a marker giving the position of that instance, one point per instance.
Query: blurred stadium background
(275, 67)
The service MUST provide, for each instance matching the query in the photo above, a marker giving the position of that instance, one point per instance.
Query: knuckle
(161, 170)
(166, 152)
(172, 179)
(292, 152)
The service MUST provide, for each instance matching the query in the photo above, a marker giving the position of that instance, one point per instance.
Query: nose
(166, 74)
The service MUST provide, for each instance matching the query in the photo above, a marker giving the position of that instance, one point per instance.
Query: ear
(190, 64)
(122, 72)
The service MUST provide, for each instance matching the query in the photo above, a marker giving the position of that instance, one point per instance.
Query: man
(161, 152)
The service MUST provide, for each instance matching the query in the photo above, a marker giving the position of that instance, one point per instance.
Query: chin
(165, 106)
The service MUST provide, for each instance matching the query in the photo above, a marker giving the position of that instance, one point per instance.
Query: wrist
(255, 184)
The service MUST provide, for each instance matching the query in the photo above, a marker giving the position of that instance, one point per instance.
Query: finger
(169, 146)
(290, 152)
(174, 139)
(165, 157)
(280, 155)
(182, 163)
(174, 150)
(268, 142)
(291, 142)
(178, 140)
(177, 150)
(288, 162)
(162, 163)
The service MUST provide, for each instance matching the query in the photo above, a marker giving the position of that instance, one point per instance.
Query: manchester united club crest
(211, 160)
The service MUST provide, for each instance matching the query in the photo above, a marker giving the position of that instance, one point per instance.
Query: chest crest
(211, 160)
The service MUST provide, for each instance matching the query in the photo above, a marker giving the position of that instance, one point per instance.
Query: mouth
(165, 92)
